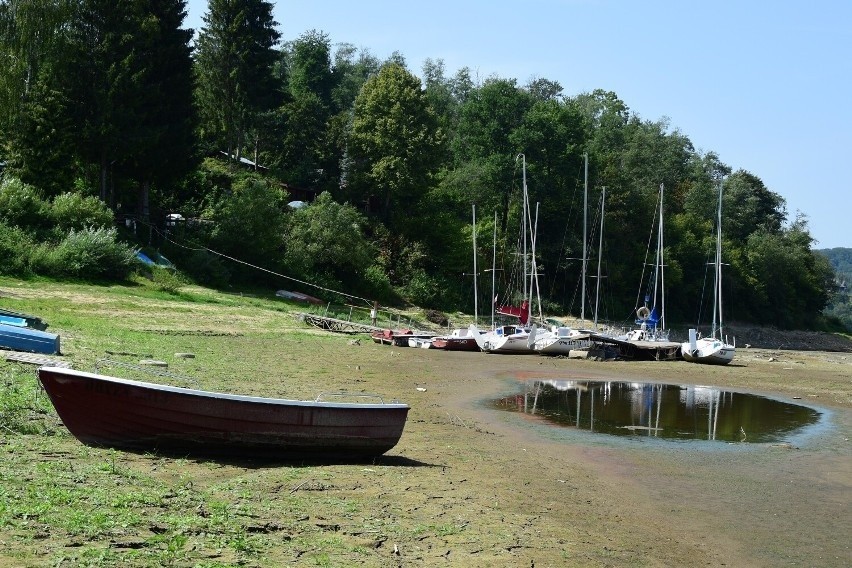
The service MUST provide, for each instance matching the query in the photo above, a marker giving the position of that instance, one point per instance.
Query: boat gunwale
(223, 396)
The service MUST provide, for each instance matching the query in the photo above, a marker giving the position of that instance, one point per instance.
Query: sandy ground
(535, 495)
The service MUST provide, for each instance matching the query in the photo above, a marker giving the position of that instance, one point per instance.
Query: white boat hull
(709, 351)
(507, 339)
(560, 341)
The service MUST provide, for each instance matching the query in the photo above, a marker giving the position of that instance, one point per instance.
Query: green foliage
(21, 204)
(422, 290)
(166, 279)
(96, 97)
(16, 251)
(326, 240)
(88, 254)
(248, 222)
(234, 63)
(377, 284)
(840, 303)
(205, 268)
(394, 144)
(74, 211)
(790, 279)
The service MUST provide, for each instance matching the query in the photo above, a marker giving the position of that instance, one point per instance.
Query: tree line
(114, 100)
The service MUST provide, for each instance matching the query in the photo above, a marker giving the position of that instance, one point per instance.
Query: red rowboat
(108, 411)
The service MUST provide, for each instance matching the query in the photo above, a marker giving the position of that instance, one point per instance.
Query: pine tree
(235, 60)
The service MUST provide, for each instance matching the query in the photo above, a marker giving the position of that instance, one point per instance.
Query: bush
(166, 279)
(16, 251)
(21, 205)
(378, 284)
(73, 211)
(422, 289)
(90, 253)
(206, 269)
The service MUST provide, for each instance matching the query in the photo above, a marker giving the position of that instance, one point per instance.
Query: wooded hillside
(112, 101)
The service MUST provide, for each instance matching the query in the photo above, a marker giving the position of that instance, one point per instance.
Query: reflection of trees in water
(684, 412)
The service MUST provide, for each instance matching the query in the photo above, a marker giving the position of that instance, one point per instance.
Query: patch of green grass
(67, 504)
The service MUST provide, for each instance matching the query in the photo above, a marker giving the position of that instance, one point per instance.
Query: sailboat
(651, 319)
(561, 340)
(712, 350)
(516, 338)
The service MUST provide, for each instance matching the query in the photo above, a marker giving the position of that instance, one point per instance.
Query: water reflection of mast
(659, 389)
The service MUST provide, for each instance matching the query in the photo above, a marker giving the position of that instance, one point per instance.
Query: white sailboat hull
(560, 341)
(517, 343)
(506, 339)
(709, 351)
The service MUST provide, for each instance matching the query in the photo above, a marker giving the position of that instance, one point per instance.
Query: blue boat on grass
(21, 320)
(25, 339)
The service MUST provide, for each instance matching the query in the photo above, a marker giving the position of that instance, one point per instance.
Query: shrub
(166, 279)
(21, 205)
(377, 284)
(16, 251)
(206, 268)
(422, 289)
(73, 211)
(90, 253)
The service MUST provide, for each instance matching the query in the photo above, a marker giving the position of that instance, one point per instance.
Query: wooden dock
(336, 325)
(641, 350)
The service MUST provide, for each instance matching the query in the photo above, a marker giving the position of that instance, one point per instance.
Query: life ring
(643, 313)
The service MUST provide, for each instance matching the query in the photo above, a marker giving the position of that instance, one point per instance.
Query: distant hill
(841, 260)
(841, 306)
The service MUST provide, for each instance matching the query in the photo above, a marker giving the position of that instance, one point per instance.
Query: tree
(235, 61)
(107, 53)
(34, 126)
(165, 133)
(304, 152)
(792, 282)
(32, 33)
(351, 69)
(249, 221)
(325, 242)
(393, 145)
(752, 207)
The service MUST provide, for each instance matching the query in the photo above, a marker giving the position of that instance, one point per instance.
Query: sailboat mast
(585, 221)
(661, 266)
(475, 289)
(718, 287)
(534, 275)
(494, 270)
(524, 224)
(600, 251)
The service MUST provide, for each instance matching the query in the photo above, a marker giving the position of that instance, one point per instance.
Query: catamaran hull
(112, 412)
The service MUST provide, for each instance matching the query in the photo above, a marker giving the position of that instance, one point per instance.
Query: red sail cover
(522, 312)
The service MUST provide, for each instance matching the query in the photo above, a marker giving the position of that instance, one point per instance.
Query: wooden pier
(640, 350)
(336, 325)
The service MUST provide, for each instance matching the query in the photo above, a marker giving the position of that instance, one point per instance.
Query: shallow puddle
(675, 412)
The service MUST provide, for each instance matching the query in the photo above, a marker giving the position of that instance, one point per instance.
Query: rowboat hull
(107, 411)
(19, 338)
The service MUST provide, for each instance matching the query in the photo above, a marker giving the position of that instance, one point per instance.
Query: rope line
(237, 260)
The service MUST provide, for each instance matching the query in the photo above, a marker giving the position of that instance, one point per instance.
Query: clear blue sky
(766, 84)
